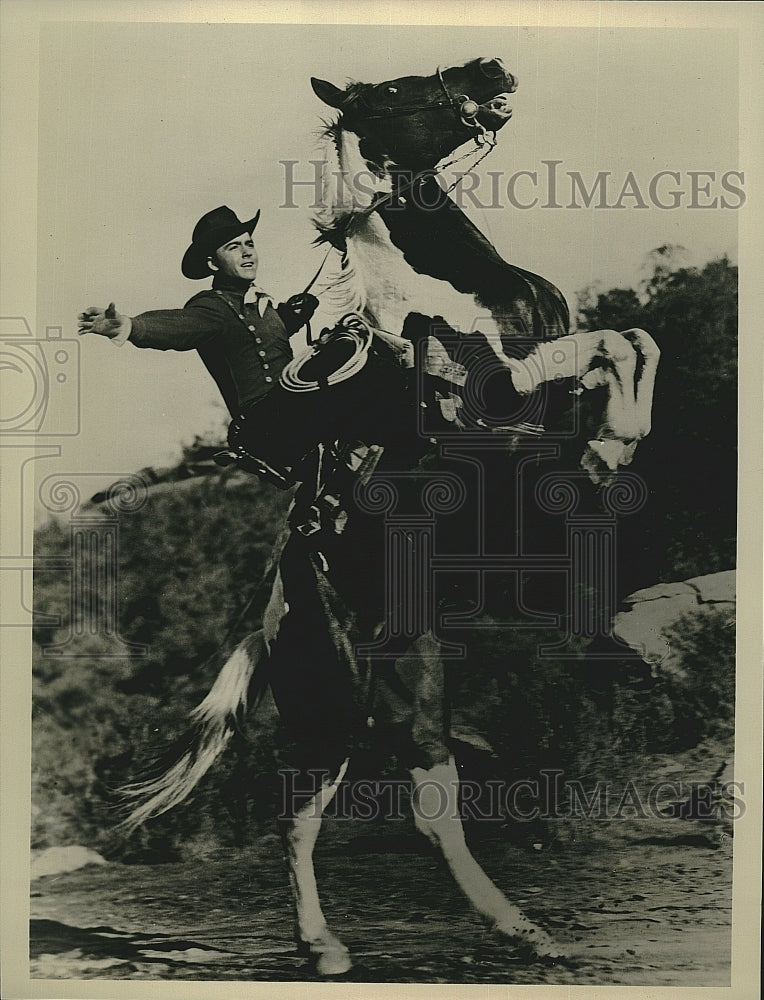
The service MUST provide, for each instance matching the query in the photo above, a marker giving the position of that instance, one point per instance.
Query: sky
(143, 127)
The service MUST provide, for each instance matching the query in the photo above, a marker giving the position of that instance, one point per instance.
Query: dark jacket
(243, 351)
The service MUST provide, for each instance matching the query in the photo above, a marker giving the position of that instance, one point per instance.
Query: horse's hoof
(335, 962)
(329, 954)
(531, 942)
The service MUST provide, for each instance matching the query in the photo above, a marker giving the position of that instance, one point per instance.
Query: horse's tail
(240, 685)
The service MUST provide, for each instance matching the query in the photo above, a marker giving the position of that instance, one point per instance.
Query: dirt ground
(637, 905)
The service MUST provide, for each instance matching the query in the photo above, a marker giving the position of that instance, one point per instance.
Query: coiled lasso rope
(351, 329)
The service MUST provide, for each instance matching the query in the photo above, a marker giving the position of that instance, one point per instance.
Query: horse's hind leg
(435, 800)
(436, 814)
(300, 832)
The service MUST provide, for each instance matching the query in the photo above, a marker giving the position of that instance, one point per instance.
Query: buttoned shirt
(244, 345)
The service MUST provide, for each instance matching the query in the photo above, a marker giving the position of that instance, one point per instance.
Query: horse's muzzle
(496, 112)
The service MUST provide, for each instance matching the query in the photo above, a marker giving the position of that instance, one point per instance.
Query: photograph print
(373, 428)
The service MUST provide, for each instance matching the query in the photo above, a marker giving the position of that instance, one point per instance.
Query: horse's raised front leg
(300, 833)
(436, 814)
(650, 356)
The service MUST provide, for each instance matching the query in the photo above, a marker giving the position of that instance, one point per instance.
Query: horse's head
(415, 121)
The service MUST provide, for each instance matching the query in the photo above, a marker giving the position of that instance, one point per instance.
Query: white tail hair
(239, 686)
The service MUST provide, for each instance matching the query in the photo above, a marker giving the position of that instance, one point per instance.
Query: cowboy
(241, 335)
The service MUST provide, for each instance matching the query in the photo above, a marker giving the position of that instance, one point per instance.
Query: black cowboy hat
(212, 231)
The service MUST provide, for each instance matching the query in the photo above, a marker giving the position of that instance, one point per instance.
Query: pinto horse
(404, 245)
(341, 650)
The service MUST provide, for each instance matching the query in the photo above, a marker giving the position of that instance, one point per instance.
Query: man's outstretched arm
(160, 329)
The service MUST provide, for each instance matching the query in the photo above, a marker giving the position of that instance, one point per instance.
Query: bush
(191, 564)
(703, 696)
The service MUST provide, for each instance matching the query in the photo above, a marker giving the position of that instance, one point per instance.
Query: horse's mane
(350, 182)
(350, 185)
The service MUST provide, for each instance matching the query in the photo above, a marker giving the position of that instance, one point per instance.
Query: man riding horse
(331, 600)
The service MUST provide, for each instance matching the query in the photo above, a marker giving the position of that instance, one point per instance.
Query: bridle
(466, 110)
(464, 107)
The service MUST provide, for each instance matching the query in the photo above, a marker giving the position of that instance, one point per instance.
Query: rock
(726, 773)
(715, 587)
(644, 625)
(56, 860)
(659, 591)
(651, 612)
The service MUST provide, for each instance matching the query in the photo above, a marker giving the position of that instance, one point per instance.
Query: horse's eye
(392, 90)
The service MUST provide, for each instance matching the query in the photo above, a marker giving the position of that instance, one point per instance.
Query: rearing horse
(406, 246)
(405, 251)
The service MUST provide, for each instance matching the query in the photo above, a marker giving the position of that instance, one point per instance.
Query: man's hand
(105, 322)
(302, 305)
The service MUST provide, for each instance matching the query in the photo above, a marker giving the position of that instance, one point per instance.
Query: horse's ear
(328, 93)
